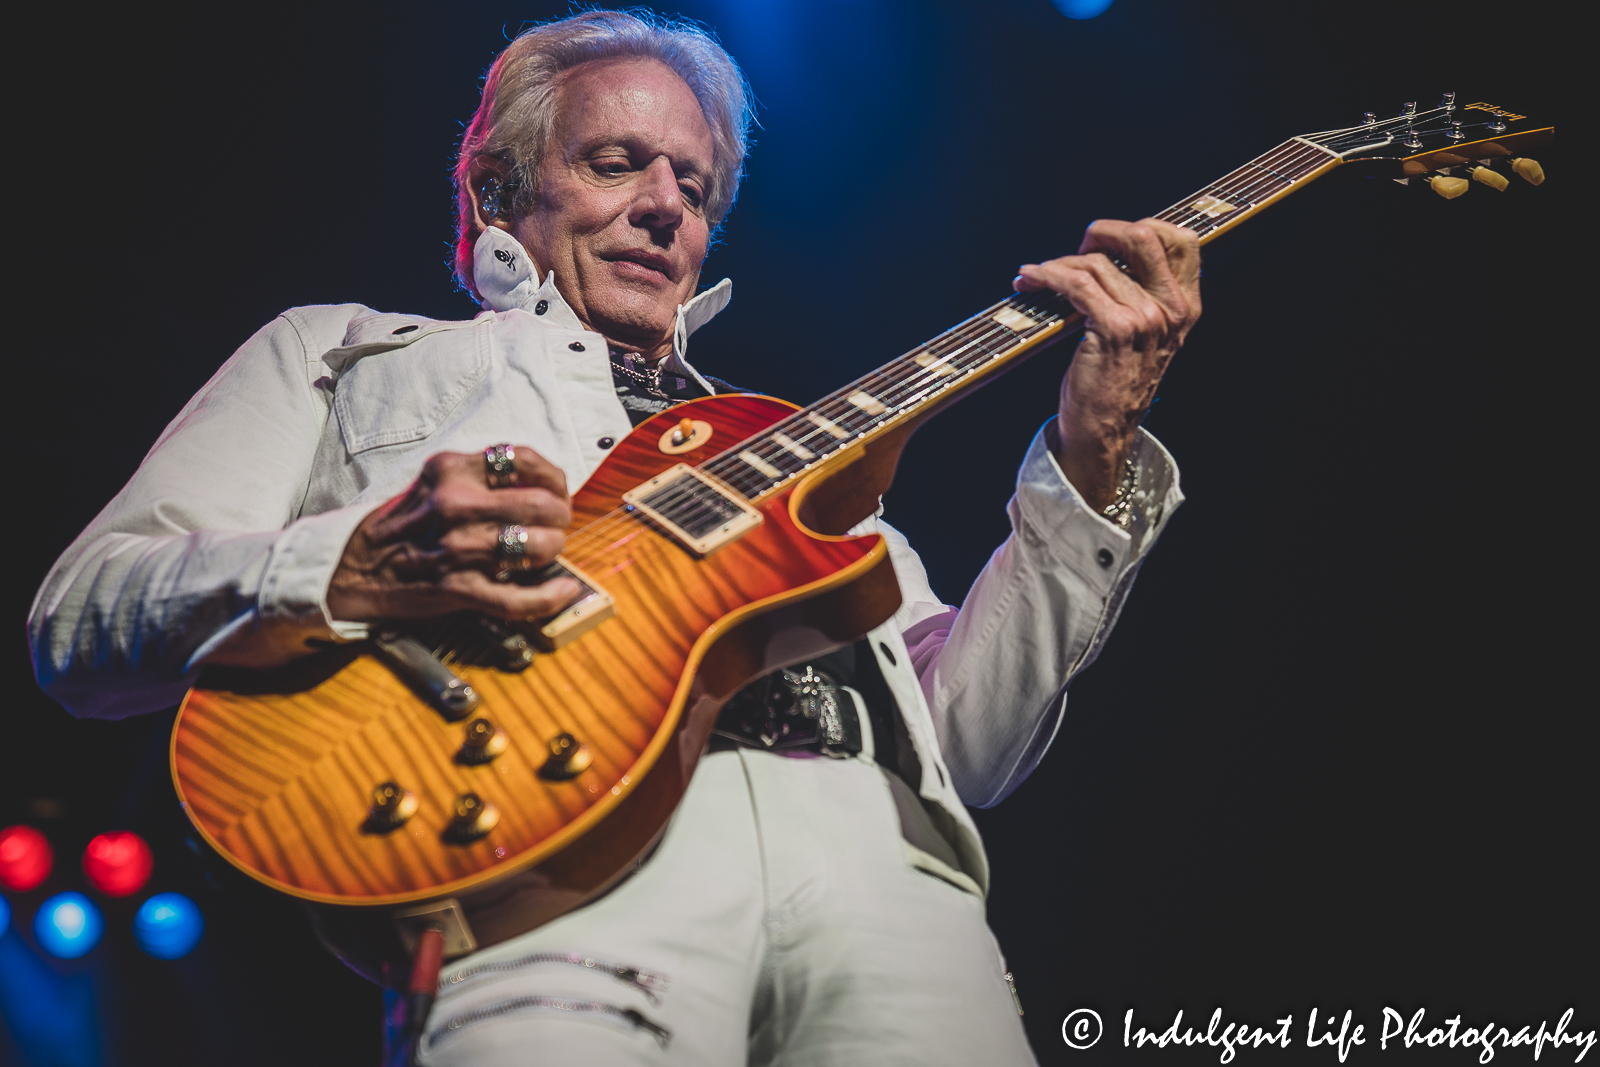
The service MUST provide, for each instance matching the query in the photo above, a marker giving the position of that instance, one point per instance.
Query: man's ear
(478, 175)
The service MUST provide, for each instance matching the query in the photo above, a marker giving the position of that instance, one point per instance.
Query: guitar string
(1241, 183)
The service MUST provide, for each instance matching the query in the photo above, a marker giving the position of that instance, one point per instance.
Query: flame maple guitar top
(276, 769)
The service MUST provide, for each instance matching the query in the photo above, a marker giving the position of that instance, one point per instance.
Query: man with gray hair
(797, 910)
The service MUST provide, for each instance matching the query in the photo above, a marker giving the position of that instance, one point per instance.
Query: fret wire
(977, 341)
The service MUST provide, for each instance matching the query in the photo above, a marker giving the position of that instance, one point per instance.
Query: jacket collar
(507, 281)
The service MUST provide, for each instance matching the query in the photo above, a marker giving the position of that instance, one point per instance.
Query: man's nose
(659, 203)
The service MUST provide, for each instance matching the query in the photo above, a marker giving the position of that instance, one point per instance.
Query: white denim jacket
(221, 547)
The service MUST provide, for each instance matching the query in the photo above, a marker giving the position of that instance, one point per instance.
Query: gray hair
(521, 92)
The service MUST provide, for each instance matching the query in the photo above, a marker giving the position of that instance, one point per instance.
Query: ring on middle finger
(512, 548)
(500, 466)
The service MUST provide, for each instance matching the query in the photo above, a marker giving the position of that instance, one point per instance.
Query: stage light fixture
(117, 863)
(68, 925)
(25, 858)
(168, 926)
(1081, 9)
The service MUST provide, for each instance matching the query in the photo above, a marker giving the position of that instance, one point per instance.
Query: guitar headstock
(1443, 146)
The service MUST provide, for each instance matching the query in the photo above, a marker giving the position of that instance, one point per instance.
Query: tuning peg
(1448, 100)
(1528, 169)
(1446, 186)
(1369, 118)
(1488, 177)
(1409, 109)
(1454, 132)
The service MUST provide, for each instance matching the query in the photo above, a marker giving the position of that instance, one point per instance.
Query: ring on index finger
(500, 466)
(512, 548)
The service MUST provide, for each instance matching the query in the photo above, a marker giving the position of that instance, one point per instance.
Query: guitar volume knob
(569, 758)
(392, 807)
(472, 818)
(483, 742)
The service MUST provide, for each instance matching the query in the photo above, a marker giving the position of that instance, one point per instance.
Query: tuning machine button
(483, 742)
(392, 807)
(568, 758)
(1446, 186)
(1488, 177)
(1528, 170)
(472, 817)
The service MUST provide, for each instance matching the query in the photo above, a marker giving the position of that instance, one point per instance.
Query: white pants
(785, 925)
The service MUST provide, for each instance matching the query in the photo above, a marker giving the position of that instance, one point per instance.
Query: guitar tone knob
(472, 818)
(483, 742)
(392, 807)
(568, 758)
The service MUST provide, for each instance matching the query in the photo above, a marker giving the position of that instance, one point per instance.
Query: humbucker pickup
(694, 508)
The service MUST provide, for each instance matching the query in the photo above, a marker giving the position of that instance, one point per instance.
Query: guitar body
(276, 769)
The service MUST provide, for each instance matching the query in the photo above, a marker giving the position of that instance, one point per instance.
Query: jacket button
(541, 307)
(884, 648)
(606, 442)
(576, 346)
(1104, 557)
(405, 329)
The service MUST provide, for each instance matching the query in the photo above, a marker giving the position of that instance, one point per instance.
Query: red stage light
(118, 863)
(25, 858)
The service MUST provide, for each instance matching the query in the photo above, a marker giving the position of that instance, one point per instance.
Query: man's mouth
(649, 260)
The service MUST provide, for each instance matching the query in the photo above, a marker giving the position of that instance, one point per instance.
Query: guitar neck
(913, 386)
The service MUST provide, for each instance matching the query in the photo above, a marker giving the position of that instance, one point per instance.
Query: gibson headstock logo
(1491, 109)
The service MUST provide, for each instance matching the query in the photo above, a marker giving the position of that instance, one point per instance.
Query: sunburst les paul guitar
(481, 779)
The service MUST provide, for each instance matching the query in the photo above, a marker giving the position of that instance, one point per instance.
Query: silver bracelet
(1120, 510)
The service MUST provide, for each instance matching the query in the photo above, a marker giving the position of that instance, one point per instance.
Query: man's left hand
(1137, 320)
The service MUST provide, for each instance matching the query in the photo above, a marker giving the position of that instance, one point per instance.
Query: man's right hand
(434, 549)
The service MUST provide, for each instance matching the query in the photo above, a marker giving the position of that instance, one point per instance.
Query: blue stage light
(68, 925)
(5, 916)
(1081, 9)
(168, 926)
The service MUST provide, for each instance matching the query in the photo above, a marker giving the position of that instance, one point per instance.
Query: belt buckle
(799, 708)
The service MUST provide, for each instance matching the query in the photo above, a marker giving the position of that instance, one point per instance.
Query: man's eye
(691, 195)
(612, 167)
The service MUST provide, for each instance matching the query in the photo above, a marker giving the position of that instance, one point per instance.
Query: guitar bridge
(694, 508)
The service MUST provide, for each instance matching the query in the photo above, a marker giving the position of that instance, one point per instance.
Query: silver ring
(500, 466)
(512, 548)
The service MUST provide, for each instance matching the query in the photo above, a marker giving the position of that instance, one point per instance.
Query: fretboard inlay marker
(789, 443)
(867, 402)
(760, 464)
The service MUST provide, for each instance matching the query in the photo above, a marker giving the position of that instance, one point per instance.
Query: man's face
(620, 216)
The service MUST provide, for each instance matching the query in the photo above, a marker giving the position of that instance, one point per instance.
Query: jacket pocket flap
(392, 395)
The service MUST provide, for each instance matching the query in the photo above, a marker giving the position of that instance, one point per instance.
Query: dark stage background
(1335, 756)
